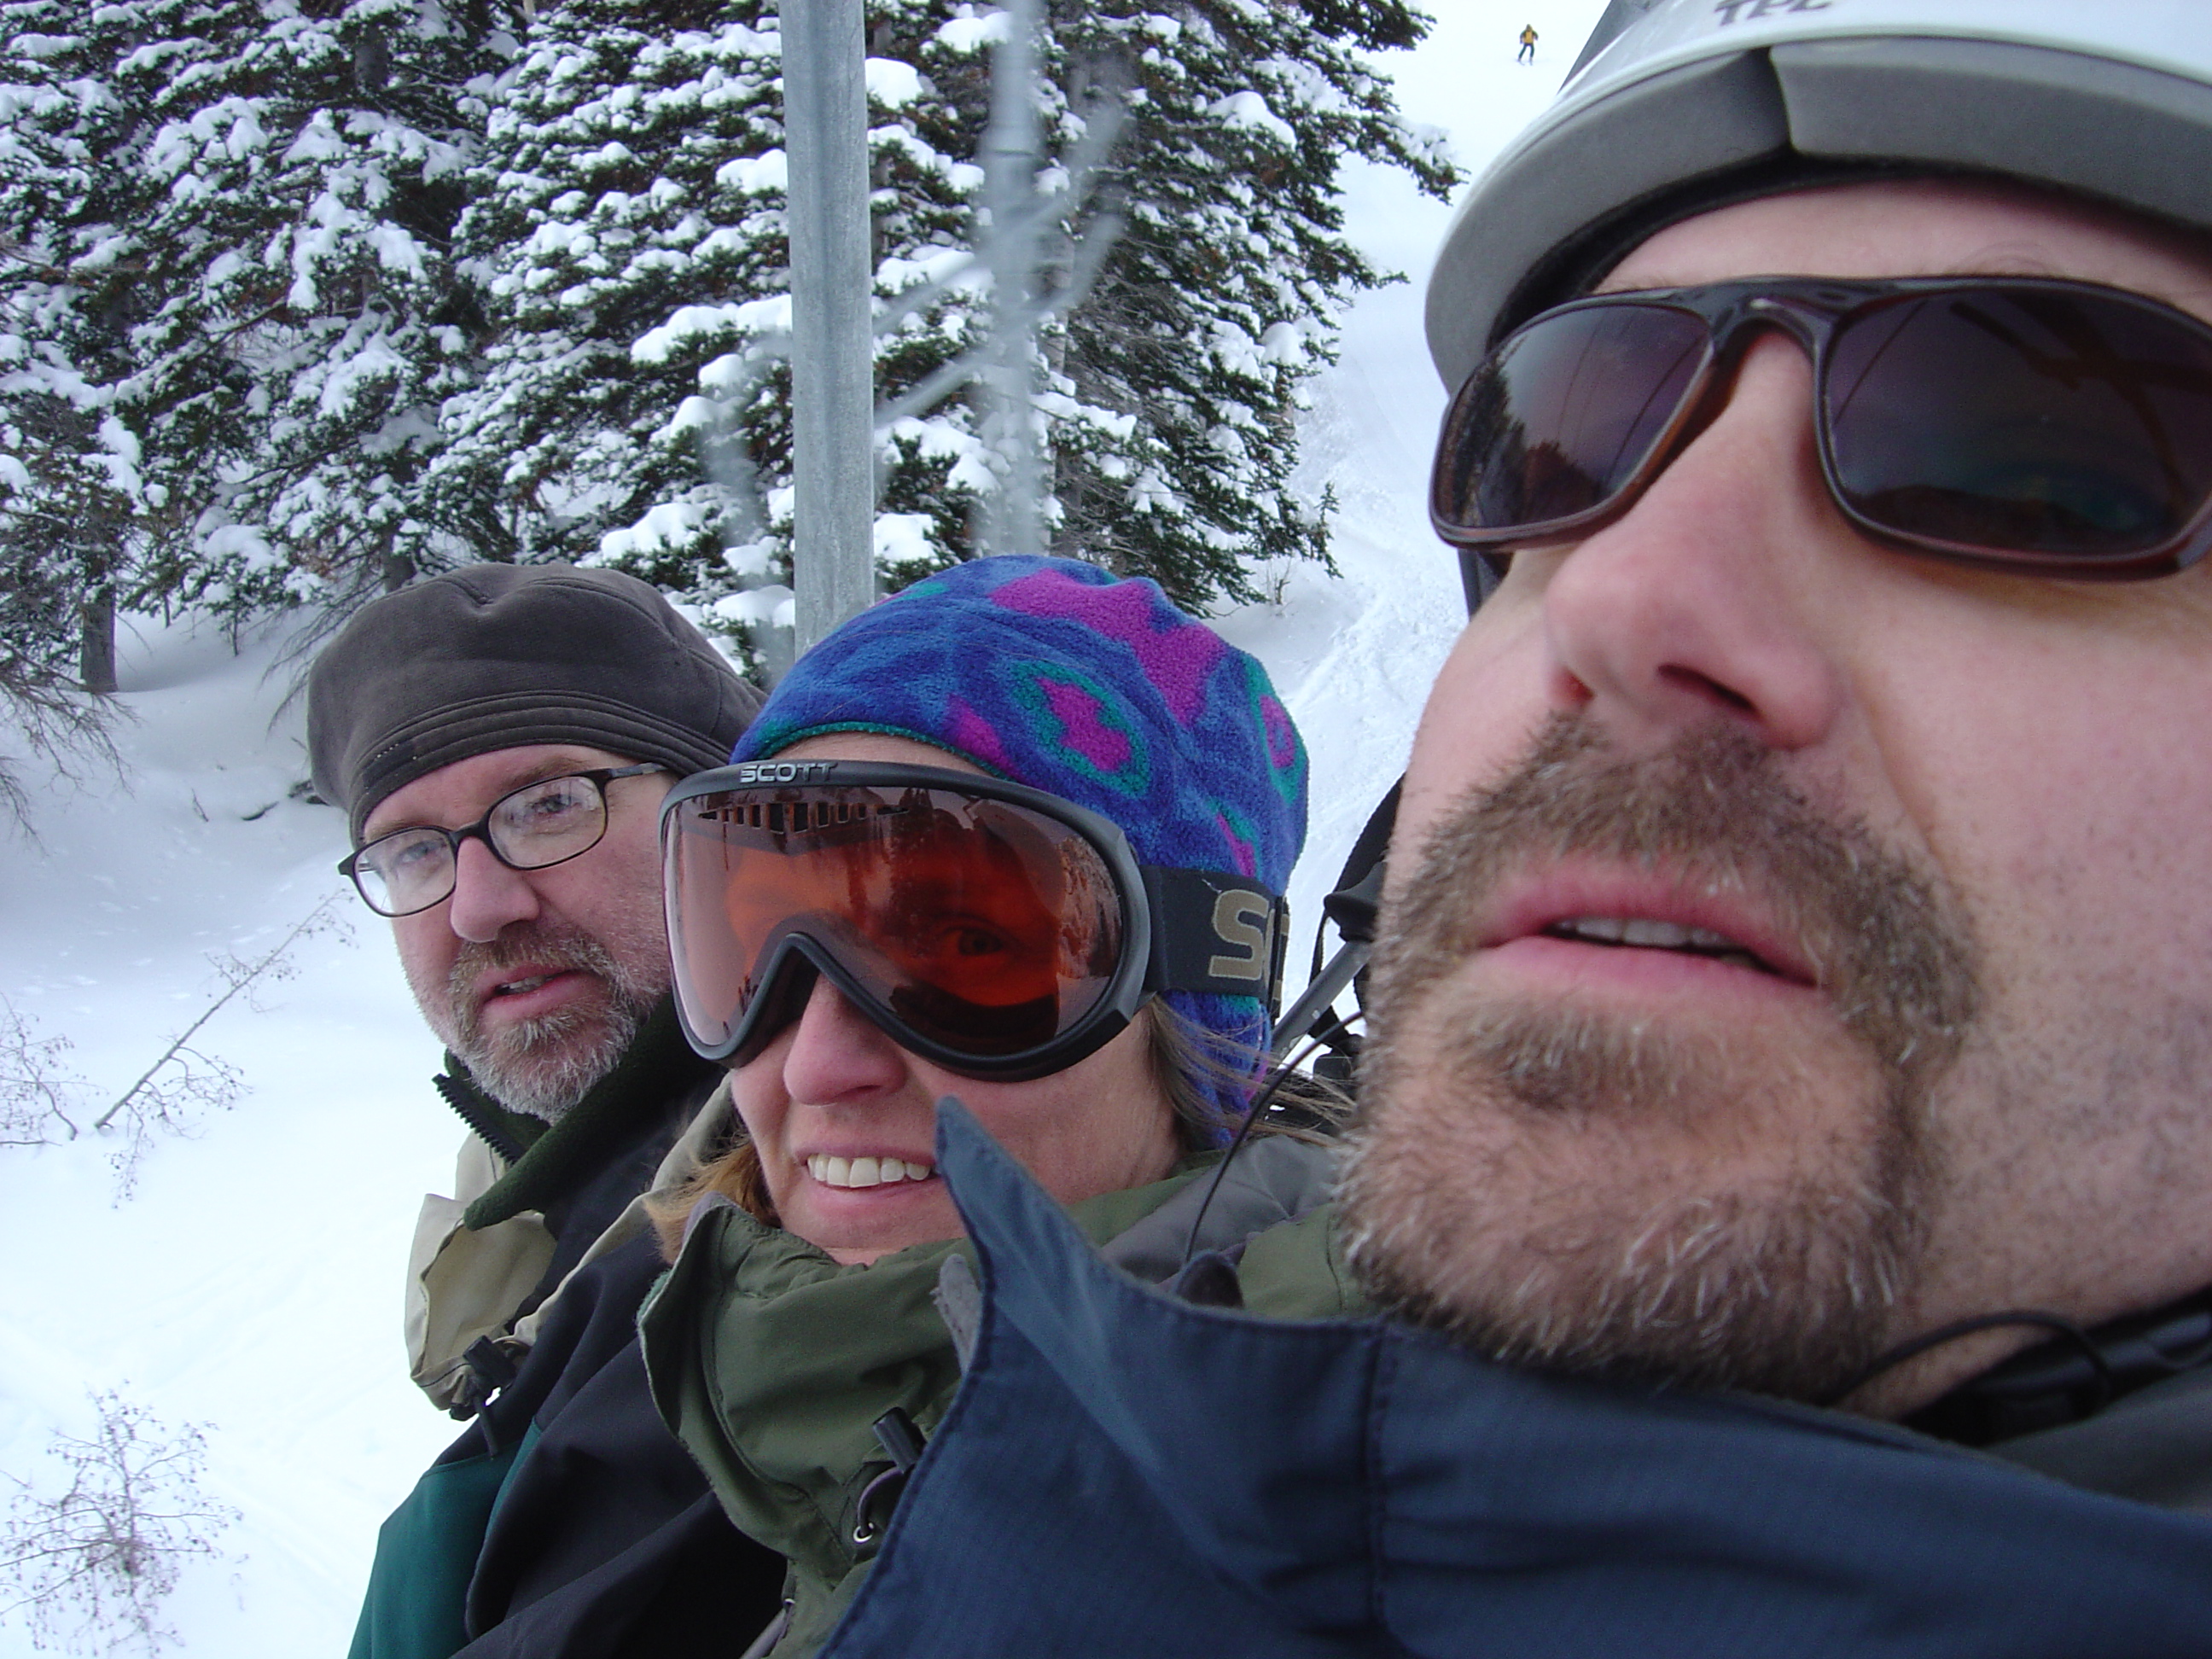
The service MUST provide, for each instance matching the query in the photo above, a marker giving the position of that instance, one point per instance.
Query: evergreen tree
(1181, 370)
(301, 173)
(627, 230)
(624, 207)
(77, 509)
(296, 301)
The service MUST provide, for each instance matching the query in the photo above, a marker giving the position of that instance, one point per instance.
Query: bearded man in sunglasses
(1792, 981)
(1785, 1161)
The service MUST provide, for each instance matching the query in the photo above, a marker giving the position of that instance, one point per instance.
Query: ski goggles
(993, 930)
(2051, 427)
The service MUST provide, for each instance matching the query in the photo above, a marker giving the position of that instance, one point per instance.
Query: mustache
(559, 947)
(1890, 947)
(1531, 1175)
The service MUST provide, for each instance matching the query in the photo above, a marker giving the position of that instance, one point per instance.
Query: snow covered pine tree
(77, 511)
(629, 186)
(290, 188)
(626, 228)
(261, 355)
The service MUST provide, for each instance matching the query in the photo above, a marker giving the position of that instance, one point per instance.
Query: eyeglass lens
(539, 825)
(1567, 413)
(2030, 421)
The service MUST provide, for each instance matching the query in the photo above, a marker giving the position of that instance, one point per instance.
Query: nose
(1706, 599)
(837, 1054)
(487, 896)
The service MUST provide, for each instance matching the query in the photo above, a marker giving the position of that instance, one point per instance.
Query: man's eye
(401, 859)
(547, 806)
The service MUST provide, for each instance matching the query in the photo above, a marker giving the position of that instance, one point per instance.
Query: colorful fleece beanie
(1052, 673)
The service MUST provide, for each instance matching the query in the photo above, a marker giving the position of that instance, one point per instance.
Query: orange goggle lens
(982, 927)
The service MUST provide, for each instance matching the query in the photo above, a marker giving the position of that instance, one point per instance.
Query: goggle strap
(1215, 932)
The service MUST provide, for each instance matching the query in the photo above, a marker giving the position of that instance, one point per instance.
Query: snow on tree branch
(296, 314)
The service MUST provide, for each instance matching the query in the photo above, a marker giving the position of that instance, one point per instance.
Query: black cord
(1275, 1080)
(2107, 1382)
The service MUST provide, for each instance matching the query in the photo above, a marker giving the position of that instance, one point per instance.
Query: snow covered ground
(252, 1283)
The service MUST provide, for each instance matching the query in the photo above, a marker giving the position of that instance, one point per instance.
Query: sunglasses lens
(1563, 415)
(2069, 426)
(982, 927)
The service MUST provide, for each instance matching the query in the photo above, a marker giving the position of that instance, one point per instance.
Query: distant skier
(1527, 44)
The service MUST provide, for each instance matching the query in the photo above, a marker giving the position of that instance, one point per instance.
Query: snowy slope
(1354, 656)
(253, 1282)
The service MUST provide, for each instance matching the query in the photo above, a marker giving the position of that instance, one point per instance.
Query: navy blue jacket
(1124, 1473)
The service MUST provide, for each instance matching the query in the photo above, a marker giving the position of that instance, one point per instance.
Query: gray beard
(1559, 1187)
(542, 1067)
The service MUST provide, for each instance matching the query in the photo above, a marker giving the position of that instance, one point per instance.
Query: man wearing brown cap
(499, 738)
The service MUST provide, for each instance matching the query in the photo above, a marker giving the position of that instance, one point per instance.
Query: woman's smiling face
(843, 1120)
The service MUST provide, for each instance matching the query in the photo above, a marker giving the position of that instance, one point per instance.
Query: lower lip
(878, 1192)
(540, 1001)
(1566, 963)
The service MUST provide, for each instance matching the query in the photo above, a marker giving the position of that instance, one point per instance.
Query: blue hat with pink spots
(1052, 673)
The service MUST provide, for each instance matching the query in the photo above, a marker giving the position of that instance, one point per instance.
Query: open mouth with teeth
(1643, 933)
(864, 1171)
(516, 988)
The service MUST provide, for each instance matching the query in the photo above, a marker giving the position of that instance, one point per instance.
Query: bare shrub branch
(70, 732)
(36, 1093)
(185, 1084)
(89, 1567)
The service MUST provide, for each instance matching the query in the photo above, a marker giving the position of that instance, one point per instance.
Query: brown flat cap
(496, 656)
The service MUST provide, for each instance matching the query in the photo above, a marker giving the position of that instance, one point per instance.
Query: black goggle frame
(1182, 930)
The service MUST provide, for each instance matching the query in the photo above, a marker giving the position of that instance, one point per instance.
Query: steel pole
(825, 117)
(1011, 150)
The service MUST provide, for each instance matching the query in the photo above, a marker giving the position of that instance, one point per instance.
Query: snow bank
(253, 1282)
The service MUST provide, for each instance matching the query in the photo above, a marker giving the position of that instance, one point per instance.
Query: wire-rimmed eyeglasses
(541, 824)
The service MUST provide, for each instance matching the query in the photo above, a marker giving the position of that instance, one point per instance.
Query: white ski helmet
(1678, 107)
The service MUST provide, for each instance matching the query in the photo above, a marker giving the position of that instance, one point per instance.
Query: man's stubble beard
(1560, 1185)
(545, 1067)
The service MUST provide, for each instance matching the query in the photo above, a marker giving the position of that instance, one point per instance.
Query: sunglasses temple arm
(1478, 578)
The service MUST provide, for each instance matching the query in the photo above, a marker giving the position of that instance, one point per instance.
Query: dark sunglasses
(992, 929)
(2057, 428)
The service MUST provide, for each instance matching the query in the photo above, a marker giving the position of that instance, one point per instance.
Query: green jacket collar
(772, 1362)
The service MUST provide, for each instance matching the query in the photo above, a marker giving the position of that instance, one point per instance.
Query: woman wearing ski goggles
(866, 924)
(863, 918)
(1014, 834)
(2039, 426)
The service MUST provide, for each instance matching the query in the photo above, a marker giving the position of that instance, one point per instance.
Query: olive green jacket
(772, 1362)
